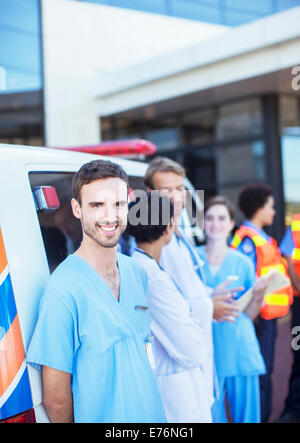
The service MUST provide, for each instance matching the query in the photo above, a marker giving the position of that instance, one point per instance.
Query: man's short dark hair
(95, 170)
(158, 208)
(253, 197)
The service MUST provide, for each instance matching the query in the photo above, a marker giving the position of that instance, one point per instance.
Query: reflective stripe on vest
(276, 299)
(295, 225)
(266, 269)
(268, 257)
(295, 228)
(257, 240)
(296, 254)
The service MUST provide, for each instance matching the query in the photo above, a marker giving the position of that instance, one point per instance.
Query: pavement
(282, 366)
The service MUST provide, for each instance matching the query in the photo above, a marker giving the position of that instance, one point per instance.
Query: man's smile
(108, 229)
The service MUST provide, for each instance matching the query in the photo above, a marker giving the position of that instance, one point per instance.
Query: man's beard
(104, 242)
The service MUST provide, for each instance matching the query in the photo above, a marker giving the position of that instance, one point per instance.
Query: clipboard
(245, 300)
(277, 281)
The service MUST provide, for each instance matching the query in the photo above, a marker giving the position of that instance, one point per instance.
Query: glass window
(102, 2)
(241, 163)
(158, 6)
(285, 4)
(106, 125)
(17, 80)
(165, 138)
(21, 50)
(289, 112)
(236, 11)
(200, 165)
(20, 14)
(290, 146)
(199, 127)
(263, 6)
(21, 115)
(121, 128)
(21, 118)
(239, 119)
(236, 18)
(60, 230)
(196, 11)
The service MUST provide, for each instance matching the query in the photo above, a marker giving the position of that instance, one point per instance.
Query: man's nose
(110, 213)
(176, 195)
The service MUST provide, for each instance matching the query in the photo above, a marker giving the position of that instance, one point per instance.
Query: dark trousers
(266, 331)
(292, 403)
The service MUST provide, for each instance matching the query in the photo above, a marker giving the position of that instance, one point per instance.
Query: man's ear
(76, 208)
(169, 229)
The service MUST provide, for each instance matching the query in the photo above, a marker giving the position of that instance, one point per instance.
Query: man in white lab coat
(179, 259)
(179, 342)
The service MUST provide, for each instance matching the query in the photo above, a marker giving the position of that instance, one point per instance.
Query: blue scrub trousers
(292, 403)
(266, 331)
(243, 398)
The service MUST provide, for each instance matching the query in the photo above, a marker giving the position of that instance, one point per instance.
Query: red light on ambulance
(25, 417)
(116, 148)
(46, 198)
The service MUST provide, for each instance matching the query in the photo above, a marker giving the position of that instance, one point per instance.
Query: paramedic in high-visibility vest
(290, 248)
(256, 201)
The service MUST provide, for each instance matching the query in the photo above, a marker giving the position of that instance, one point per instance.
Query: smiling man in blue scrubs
(90, 340)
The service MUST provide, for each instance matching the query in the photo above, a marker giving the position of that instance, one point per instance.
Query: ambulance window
(60, 230)
(136, 183)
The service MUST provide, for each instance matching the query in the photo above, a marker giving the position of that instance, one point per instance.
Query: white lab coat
(176, 261)
(178, 346)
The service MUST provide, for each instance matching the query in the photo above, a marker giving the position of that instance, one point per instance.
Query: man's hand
(225, 308)
(292, 274)
(260, 287)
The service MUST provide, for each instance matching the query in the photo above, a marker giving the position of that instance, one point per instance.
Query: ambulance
(37, 232)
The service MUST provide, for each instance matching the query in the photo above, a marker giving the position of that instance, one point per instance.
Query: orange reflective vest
(268, 257)
(295, 228)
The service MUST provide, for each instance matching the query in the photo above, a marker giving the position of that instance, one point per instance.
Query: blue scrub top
(236, 349)
(287, 244)
(82, 329)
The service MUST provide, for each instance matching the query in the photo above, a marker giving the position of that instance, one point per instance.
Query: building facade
(220, 98)
(21, 85)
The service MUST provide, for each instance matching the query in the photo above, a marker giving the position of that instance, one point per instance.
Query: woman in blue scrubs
(237, 355)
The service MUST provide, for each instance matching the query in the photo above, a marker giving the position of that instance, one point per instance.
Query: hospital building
(215, 84)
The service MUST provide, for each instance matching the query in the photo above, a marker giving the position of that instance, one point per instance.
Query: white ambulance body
(32, 243)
